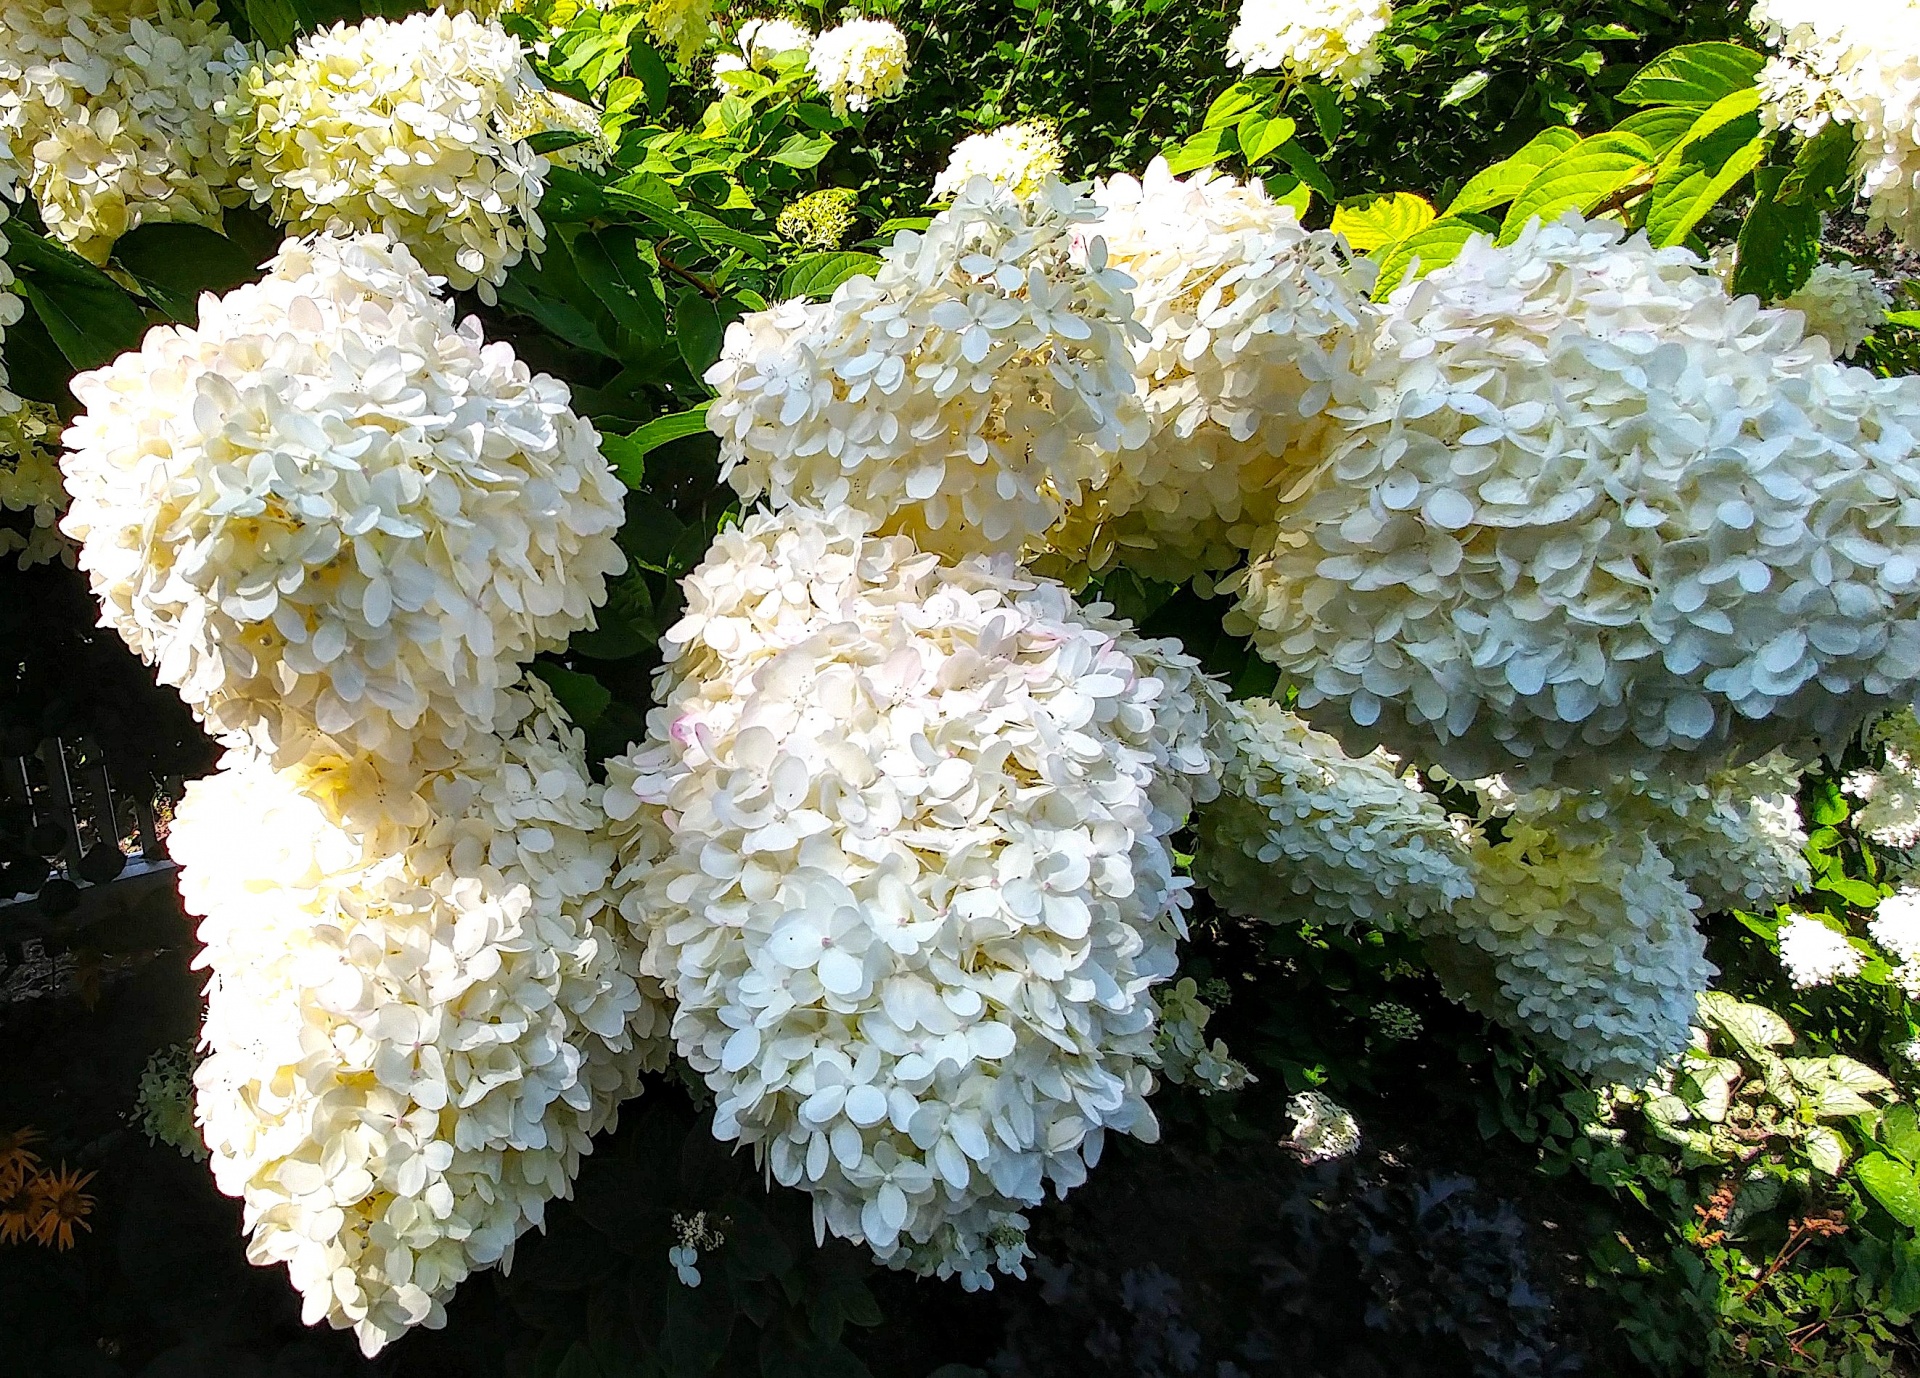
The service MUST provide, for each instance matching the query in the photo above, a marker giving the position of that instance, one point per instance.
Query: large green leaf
(1697, 74)
(1724, 145)
(1893, 1185)
(1373, 222)
(697, 327)
(1506, 179)
(1579, 180)
(174, 264)
(619, 269)
(1204, 149)
(1779, 244)
(1662, 127)
(89, 315)
(1822, 175)
(817, 275)
(1261, 135)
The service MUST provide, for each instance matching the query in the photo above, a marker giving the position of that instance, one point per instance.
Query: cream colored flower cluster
(108, 113)
(329, 508)
(553, 112)
(1020, 157)
(1890, 797)
(417, 1014)
(1593, 948)
(1857, 61)
(858, 63)
(1250, 325)
(966, 394)
(1814, 953)
(762, 40)
(1335, 41)
(899, 835)
(683, 27)
(1896, 927)
(403, 127)
(30, 482)
(1301, 829)
(820, 219)
(1843, 304)
(1615, 519)
(1734, 839)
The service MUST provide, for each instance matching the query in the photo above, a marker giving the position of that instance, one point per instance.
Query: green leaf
(817, 275)
(1260, 136)
(274, 22)
(1900, 1128)
(614, 267)
(1433, 247)
(696, 323)
(803, 150)
(1825, 1149)
(1893, 1186)
(1204, 149)
(1469, 86)
(584, 697)
(651, 69)
(174, 264)
(1235, 101)
(1328, 113)
(1754, 1027)
(1578, 180)
(89, 315)
(1725, 144)
(1372, 222)
(1307, 168)
(1697, 74)
(1506, 179)
(1822, 174)
(1662, 127)
(1779, 244)
(627, 453)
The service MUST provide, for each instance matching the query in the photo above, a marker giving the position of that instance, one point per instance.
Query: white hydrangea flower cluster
(1843, 304)
(417, 1014)
(1896, 927)
(1020, 157)
(1734, 839)
(1181, 1050)
(1859, 64)
(965, 395)
(682, 27)
(108, 114)
(328, 508)
(1592, 948)
(30, 482)
(1890, 807)
(762, 40)
(1617, 520)
(404, 127)
(899, 835)
(1250, 327)
(1815, 954)
(554, 112)
(1335, 41)
(858, 63)
(1302, 828)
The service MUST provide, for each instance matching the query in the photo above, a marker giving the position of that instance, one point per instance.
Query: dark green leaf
(1779, 243)
(650, 68)
(89, 315)
(583, 696)
(817, 275)
(696, 325)
(1307, 168)
(1328, 113)
(1822, 175)
(614, 266)
(627, 453)
(274, 22)
(1697, 74)
(174, 264)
